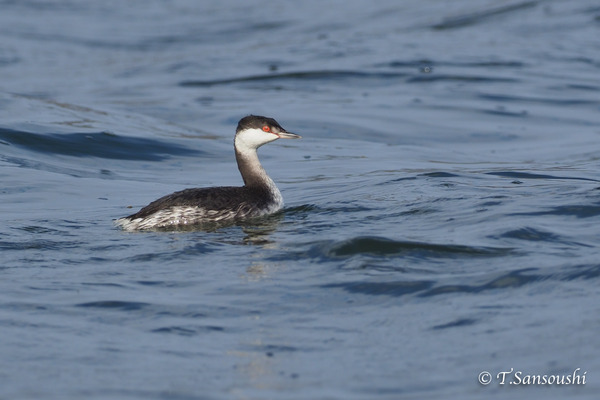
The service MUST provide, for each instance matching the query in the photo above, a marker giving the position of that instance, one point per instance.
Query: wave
(381, 246)
(344, 75)
(95, 144)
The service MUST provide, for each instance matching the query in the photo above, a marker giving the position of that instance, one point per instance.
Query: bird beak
(288, 135)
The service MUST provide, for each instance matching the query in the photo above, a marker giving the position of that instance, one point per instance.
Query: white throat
(246, 143)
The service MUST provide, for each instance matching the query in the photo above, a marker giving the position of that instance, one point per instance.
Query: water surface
(441, 218)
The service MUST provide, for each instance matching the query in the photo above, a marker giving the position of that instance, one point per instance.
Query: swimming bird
(259, 196)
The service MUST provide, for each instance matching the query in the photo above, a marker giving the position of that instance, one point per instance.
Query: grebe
(259, 195)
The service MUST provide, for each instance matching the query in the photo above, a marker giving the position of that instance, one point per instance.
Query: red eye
(267, 128)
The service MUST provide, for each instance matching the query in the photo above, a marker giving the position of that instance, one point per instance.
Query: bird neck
(252, 171)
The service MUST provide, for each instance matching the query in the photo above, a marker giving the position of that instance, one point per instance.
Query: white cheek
(254, 138)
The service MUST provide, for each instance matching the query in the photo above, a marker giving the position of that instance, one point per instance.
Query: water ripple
(533, 100)
(576, 210)
(531, 234)
(39, 244)
(536, 235)
(527, 175)
(301, 75)
(98, 144)
(381, 246)
(482, 16)
(342, 75)
(396, 289)
(115, 305)
(512, 279)
(187, 330)
(457, 323)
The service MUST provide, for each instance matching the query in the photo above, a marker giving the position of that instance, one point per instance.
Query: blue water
(442, 209)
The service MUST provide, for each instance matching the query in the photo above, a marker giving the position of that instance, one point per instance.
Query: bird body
(259, 196)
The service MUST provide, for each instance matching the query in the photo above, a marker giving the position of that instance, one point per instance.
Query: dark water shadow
(527, 175)
(522, 277)
(381, 246)
(395, 289)
(97, 144)
(535, 100)
(424, 78)
(582, 271)
(531, 234)
(296, 76)
(39, 244)
(188, 330)
(116, 305)
(577, 210)
(439, 174)
(509, 280)
(345, 76)
(427, 63)
(428, 288)
(512, 279)
(456, 323)
(482, 16)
